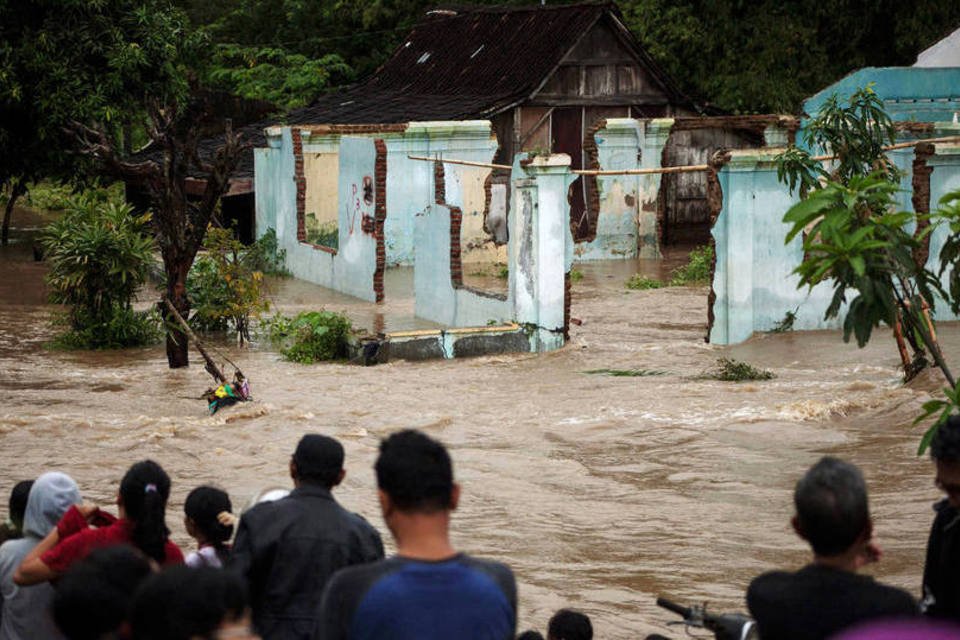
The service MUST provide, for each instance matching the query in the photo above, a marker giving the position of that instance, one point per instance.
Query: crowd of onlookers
(297, 565)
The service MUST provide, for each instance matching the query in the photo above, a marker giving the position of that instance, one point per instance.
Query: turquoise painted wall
(909, 93)
(754, 281)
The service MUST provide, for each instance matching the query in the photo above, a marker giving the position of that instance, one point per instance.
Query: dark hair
(415, 471)
(18, 501)
(203, 505)
(145, 489)
(182, 603)
(319, 459)
(530, 634)
(945, 445)
(93, 597)
(568, 624)
(831, 503)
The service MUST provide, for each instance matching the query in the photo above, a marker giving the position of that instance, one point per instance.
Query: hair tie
(150, 488)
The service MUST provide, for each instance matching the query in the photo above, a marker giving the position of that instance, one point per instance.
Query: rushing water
(601, 492)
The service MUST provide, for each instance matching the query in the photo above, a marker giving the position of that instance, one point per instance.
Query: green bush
(311, 336)
(698, 269)
(326, 235)
(99, 255)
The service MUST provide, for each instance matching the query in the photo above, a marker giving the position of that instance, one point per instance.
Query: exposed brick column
(301, 182)
(456, 266)
(439, 184)
(590, 183)
(715, 203)
(921, 199)
(380, 215)
(567, 300)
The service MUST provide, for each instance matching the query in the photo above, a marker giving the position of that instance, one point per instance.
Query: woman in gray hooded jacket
(26, 610)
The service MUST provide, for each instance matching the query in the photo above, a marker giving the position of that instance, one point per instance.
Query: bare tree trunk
(177, 353)
(18, 189)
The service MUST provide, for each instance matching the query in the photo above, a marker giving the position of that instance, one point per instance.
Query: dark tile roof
(459, 63)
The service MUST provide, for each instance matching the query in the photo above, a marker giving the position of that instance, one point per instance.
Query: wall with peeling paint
(627, 219)
(753, 279)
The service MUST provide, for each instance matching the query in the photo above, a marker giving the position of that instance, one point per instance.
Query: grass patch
(626, 373)
(576, 275)
(730, 370)
(639, 282)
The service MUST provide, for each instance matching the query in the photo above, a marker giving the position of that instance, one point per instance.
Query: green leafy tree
(100, 255)
(89, 73)
(285, 79)
(855, 239)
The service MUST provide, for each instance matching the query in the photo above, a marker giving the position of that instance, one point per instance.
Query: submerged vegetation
(696, 272)
(310, 336)
(640, 282)
(626, 373)
(730, 370)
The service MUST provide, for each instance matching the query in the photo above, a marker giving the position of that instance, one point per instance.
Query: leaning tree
(110, 73)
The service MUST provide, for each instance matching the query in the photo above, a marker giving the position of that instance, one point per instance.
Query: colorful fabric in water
(227, 394)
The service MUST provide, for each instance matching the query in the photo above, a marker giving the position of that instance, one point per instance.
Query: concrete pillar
(541, 249)
(656, 132)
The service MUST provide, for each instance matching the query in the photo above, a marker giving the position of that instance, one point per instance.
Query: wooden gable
(601, 69)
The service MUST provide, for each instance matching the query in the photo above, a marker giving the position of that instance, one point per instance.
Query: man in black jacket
(941, 575)
(288, 549)
(827, 595)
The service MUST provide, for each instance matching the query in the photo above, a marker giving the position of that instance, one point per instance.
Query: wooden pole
(212, 367)
(468, 163)
(901, 145)
(641, 172)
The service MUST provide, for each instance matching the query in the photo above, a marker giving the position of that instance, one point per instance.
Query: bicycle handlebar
(674, 607)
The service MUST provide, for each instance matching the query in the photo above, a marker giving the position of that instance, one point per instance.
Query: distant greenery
(99, 255)
(311, 336)
(729, 370)
(640, 282)
(285, 79)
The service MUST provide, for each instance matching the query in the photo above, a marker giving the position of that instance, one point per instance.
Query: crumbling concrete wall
(626, 221)
(753, 279)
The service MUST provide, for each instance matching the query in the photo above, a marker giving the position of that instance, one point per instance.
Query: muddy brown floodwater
(601, 492)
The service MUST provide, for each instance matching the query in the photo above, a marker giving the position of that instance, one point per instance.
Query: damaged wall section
(753, 281)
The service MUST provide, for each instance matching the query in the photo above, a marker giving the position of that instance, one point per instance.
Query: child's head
(202, 507)
(144, 491)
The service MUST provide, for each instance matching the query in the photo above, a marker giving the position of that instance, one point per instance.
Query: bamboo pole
(641, 172)
(468, 163)
(900, 145)
(211, 365)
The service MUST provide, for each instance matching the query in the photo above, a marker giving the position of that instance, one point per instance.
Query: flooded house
(546, 77)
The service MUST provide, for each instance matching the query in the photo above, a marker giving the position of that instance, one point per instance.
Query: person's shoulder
(893, 599)
(172, 553)
(362, 575)
(498, 571)
(769, 586)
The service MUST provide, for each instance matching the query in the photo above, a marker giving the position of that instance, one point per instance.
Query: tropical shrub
(99, 255)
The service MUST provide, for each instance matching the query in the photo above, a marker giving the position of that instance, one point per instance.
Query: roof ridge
(442, 11)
